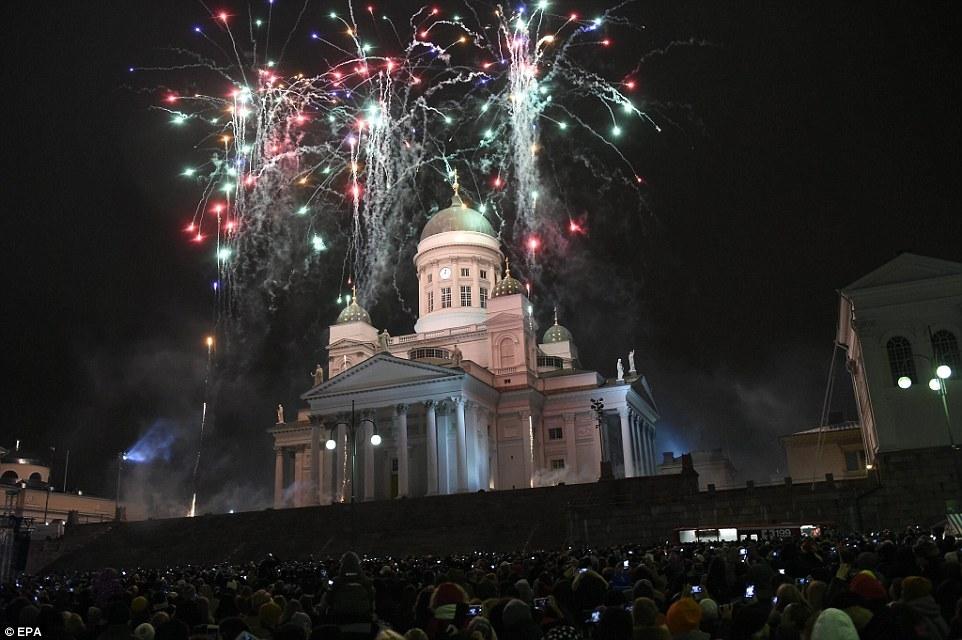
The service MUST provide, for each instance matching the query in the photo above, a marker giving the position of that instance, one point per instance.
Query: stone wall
(907, 488)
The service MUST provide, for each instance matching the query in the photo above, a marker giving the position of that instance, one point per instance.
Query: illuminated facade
(472, 400)
(897, 324)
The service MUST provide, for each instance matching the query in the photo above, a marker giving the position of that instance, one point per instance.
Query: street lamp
(938, 384)
(352, 426)
(598, 406)
(121, 458)
(46, 505)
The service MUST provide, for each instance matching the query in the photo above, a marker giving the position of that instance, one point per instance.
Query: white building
(834, 448)
(471, 400)
(900, 322)
(712, 466)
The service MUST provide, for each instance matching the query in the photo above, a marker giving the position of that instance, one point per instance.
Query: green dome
(556, 333)
(457, 217)
(506, 286)
(353, 313)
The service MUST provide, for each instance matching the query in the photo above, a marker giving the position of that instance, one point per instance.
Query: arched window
(506, 349)
(35, 477)
(945, 348)
(900, 358)
(9, 476)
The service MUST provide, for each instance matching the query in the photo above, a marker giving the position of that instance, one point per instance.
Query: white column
(650, 441)
(493, 445)
(328, 460)
(484, 451)
(368, 461)
(299, 477)
(571, 449)
(626, 442)
(462, 454)
(343, 473)
(315, 493)
(432, 446)
(643, 443)
(445, 483)
(527, 446)
(279, 478)
(473, 445)
(401, 423)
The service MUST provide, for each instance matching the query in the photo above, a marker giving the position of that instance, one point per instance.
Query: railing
(441, 333)
(507, 370)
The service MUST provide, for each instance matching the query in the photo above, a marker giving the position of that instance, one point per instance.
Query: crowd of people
(886, 586)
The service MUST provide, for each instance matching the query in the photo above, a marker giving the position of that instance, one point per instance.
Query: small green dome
(556, 333)
(353, 313)
(506, 286)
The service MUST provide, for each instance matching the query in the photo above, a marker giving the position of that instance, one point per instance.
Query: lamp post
(121, 458)
(598, 406)
(939, 384)
(352, 426)
(46, 504)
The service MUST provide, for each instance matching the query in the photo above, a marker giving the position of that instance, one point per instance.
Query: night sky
(816, 142)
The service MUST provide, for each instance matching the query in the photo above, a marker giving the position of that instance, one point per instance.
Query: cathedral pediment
(381, 371)
(907, 267)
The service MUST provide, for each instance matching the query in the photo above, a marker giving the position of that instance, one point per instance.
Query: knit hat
(270, 614)
(868, 586)
(709, 609)
(448, 593)
(258, 599)
(683, 616)
(138, 604)
(563, 632)
(481, 628)
(301, 619)
(833, 624)
(914, 587)
(515, 614)
(144, 631)
(524, 590)
(644, 613)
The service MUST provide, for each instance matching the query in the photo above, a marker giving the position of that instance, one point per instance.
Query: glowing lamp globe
(944, 371)
(376, 440)
(935, 384)
(330, 444)
(905, 382)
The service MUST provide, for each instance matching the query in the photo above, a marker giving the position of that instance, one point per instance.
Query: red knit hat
(683, 616)
(448, 593)
(868, 586)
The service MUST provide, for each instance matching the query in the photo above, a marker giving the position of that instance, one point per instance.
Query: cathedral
(471, 400)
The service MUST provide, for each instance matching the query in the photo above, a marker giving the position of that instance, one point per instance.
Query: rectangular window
(430, 278)
(430, 301)
(558, 463)
(464, 272)
(465, 296)
(484, 274)
(484, 298)
(555, 433)
(445, 297)
(854, 460)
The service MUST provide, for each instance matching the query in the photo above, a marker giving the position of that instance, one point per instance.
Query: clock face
(445, 273)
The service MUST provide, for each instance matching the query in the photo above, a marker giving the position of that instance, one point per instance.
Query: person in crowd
(885, 585)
